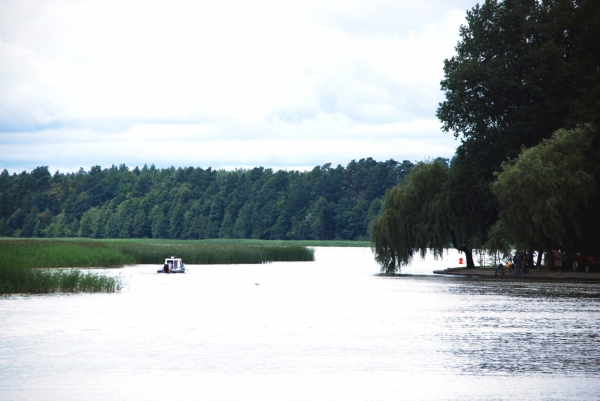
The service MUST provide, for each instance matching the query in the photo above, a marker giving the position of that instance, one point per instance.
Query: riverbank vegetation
(20, 263)
(216, 253)
(523, 95)
(24, 263)
(19, 280)
(49, 253)
(306, 243)
(29, 253)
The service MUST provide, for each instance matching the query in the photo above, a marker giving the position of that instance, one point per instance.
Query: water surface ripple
(326, 330)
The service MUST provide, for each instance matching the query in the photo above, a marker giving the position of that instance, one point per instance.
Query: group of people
(518, 264)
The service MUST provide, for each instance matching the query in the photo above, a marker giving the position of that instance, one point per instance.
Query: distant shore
(532, 274)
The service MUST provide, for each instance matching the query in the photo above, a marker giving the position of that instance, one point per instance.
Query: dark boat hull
(172, 271)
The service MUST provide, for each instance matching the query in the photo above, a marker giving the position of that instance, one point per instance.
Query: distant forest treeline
(195, 203)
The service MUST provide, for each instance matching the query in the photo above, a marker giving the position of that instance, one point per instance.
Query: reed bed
(216, 253)
(14, 280)
(35, 253)
(61, 253)
(19, 260)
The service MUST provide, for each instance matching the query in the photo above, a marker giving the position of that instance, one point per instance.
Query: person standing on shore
(500, 268)
(524, 263)
(517, 261)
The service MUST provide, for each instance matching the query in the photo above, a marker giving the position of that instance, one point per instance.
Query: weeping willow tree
(415, 217)
(548, 195)
(499, 244)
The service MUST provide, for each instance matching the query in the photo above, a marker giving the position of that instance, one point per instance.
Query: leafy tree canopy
(546, 194)
(415, 217)
(195, 203)
(523, 69)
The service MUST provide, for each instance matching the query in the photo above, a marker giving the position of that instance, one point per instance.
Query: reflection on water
(324, 330)
(525, 327)
(524, 289)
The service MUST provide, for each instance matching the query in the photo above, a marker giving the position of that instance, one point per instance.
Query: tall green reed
(43, 281)
(20, 258)
(214, 253)
(35, 253)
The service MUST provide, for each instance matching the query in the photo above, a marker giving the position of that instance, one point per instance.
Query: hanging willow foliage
(415, 218)
(546, 193)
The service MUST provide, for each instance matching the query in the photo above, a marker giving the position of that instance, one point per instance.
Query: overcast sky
(282, 84)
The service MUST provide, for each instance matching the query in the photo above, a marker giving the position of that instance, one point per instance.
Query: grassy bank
(311, 243)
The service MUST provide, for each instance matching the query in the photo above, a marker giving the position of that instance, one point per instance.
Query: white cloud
(281, 144)
(226, 83)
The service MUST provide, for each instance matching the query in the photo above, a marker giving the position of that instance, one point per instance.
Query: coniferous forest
(194, 203)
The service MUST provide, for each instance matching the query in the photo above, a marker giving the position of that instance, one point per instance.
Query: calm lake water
(325, 330)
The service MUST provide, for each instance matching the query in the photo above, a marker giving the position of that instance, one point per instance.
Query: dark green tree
(546, 194)
(522, 70)
(415, 218)
(197, 203)
(141, 228)
(30, 222)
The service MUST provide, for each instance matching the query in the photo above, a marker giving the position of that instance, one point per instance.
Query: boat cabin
(173, 264)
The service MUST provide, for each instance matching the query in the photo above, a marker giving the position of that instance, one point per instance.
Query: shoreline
(532, 274)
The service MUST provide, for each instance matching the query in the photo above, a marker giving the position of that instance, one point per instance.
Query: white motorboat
(172, 264)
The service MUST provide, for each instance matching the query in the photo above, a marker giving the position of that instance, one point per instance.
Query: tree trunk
(539, 258)
(469, 255)
(530, 259)
(468, 252)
